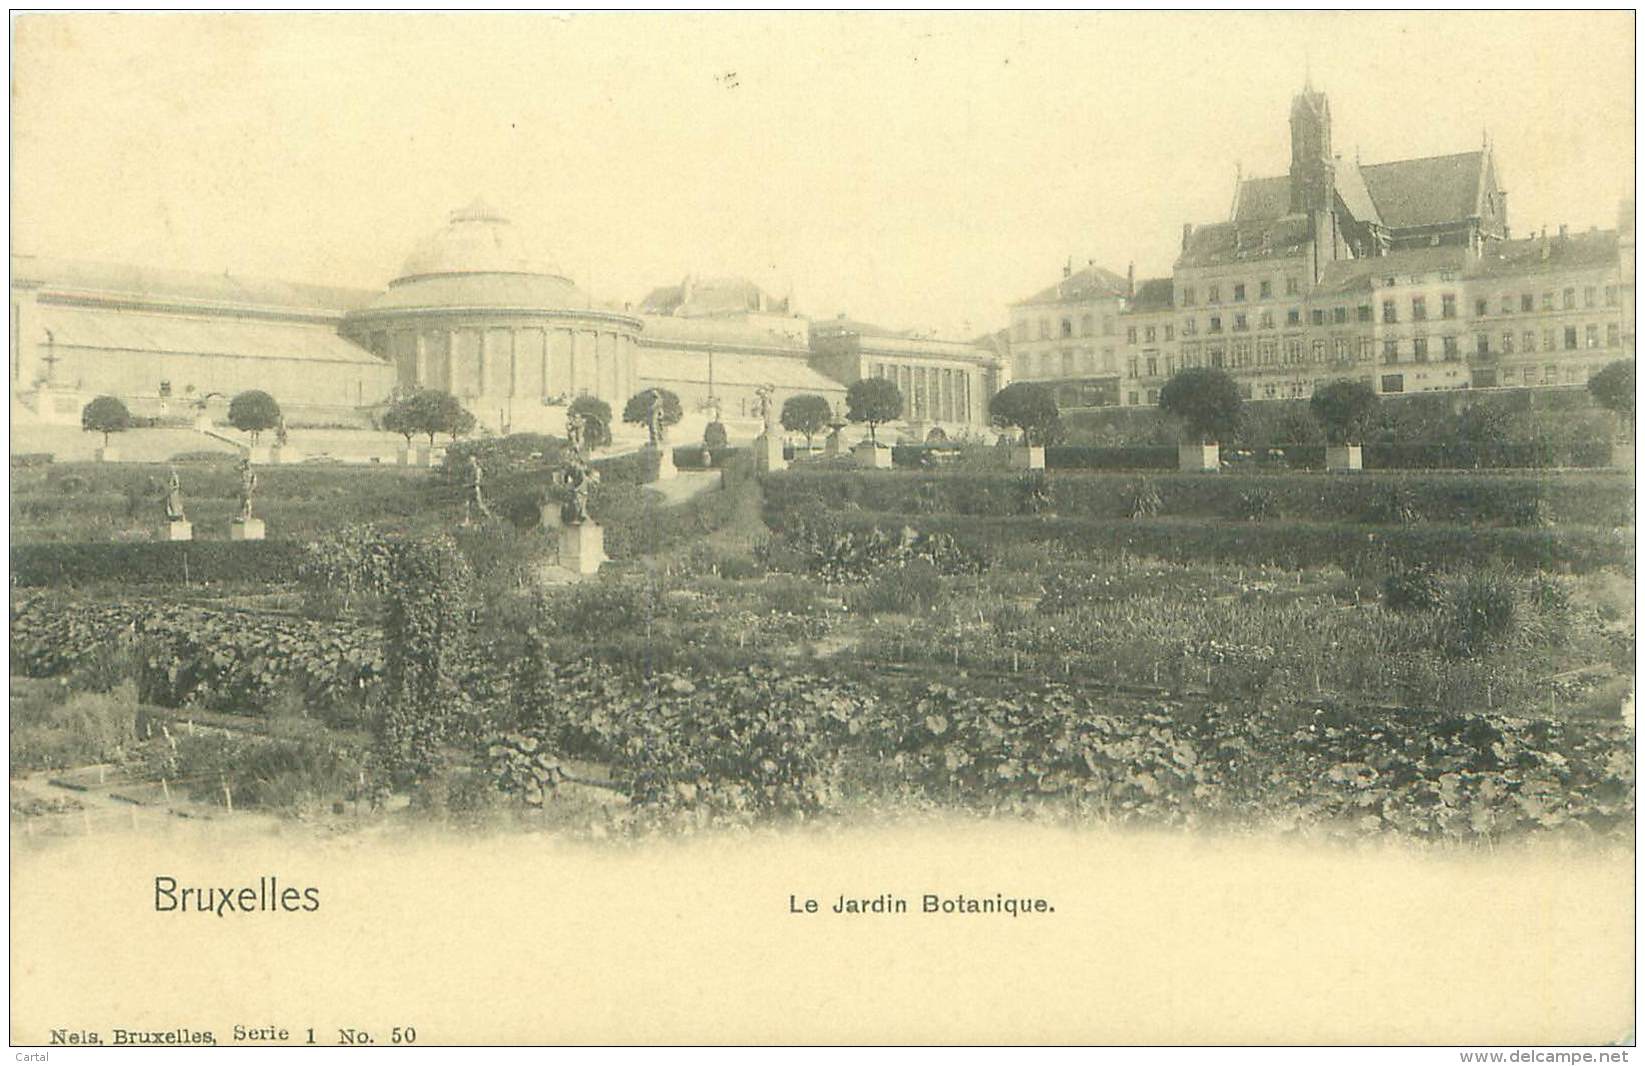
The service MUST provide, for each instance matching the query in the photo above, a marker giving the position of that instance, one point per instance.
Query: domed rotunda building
(474, 313)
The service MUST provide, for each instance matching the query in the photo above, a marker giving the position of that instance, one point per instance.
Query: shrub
(1413, 589)
(105, 415)
(1145, 499)
(1029, 407)
(1256, 505)
(1206, 400)
(253, 411)
(637, 411)
(911, 588)
(807, 414)
(85, 727)
(1483, 614)
(158, 563)
(875, 401)
(1345, 409)
(1613, 389)
(1391, 505)
(596, 416)
(428, 412)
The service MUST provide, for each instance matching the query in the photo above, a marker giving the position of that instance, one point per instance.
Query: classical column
(513, 362)
(451, 361)
(484, 356)
(421, 361)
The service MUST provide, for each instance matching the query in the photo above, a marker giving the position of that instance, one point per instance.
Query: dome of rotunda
(478, 259)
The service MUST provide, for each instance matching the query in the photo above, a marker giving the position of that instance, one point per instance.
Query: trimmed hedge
(162, 563)
(1457, 499)
(1282, 544)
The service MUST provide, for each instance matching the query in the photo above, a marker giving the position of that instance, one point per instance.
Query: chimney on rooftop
(1131, 279)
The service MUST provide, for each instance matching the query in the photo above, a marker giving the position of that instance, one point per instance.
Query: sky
(921, 171)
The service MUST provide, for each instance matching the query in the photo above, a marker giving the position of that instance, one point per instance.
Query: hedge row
(1456, 499)
(1282, 544)
(156, 563)
(1451, 456)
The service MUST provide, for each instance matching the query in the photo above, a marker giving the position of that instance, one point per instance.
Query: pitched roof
(1354, 194)
(700, 297)
(1092, 283)
(1427, 192)
(1594, 249)
(1153, 294)
(1238, 242)
(1354, 275)
(1263, 198)
(149, 284)
(107, 329)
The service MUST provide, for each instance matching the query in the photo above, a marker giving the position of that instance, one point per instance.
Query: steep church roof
(1427, 192)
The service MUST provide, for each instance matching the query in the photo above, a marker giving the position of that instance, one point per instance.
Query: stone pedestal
(768, 453)
(659, 464)
(834, 446)
(250, 529)
(1343, 457)
(549, 519)
(582, 547)
(108, 454)
(1025, 458)
(178, 531)
(872, 456)
(1199, 458)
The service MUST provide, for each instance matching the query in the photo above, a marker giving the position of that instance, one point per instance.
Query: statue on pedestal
(248, 486)
(767, 407)
(576, 477)
(654, 419)
(174, 498)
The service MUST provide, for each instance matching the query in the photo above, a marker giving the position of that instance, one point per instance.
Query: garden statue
(475, 503)
(248, 486)
(578, 479)
(576, 434)
(654, 418)
(280, 433)
(174, 498)
(767, 407)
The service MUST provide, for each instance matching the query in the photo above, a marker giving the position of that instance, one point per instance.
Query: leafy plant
(1028, 406)
(105, 415)
(638, 409)
(1613, 389)
(253, 411)
(1413, 589)
(1346, 409)
(807, 414)
(875, 401)
(596, 416)
(1206, 400)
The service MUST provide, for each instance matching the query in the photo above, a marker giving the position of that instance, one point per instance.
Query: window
(1087, 325)
(1240, 322)
(1045, 329)
(1363, 313)
(1393, 383)
(1131, 367)
(1213, 355)
(1482, 343)
(1267, 353)
(1339, 347)
(1133, 398)
(1266, 290)
(1481, 308)
(1589, 293)
(1527, 302)
(1293, 351)
(1367, 349)
(1293, 317)
(1613, 335)
(1547, 301)
(1190, 355)
(1242, 353)
(1390, 313)
(1449, 344)
(1448, 305)
(1148, 334)
(1529, 337)
(1213, 294)
(1569, 302)
(1590, 336)
(1508, 343)
(1153, 366)
(1419, 309)
(1067, 327)
(1507, 305)
(1530, 375)
(1239, 291)
(1170, 366)
(1610, 296)
(1319, 351)
(1570, 338)
(1290, 286)
(1131, 335)
(1548, 340)
(1216, 323)
(1419, 349)
(1317, 316)
(1088, 360)
(1108, 364)
(1189, 327)
(1153, 396)
(1188, 296)
(1390, 350)
(1170, 330)
(1550, 374)
(1266, 320)
(1269, 391)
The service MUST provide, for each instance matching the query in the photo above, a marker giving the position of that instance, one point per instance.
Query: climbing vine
(424, 627)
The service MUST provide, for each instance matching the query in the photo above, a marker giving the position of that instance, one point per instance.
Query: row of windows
(1526, 302)
(1239, 290)
(1065, 327)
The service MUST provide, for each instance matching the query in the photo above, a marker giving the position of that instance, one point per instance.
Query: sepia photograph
(820, 528)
